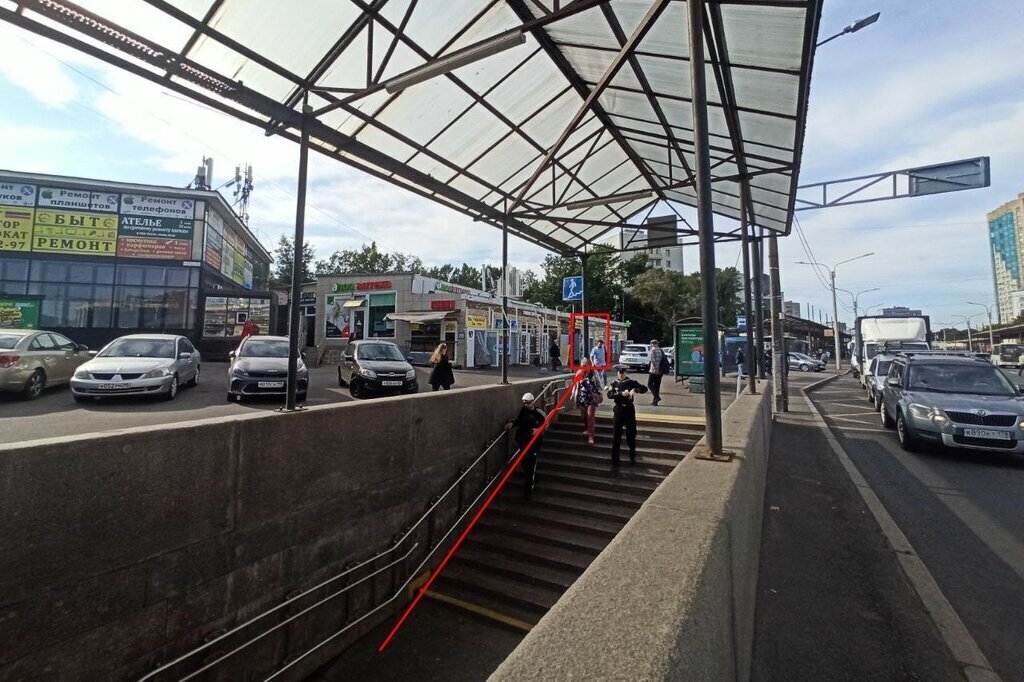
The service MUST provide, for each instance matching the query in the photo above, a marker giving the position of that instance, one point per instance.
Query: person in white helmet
(527, 422)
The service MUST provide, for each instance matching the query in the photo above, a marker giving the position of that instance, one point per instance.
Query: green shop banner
(690, 350)
(19, 313)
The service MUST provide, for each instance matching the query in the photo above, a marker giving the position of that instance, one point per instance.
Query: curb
(822, 382)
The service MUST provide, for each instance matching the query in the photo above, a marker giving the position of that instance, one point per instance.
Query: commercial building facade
(95, 260)
(417, 313)
(1006, 244)
(900, 311)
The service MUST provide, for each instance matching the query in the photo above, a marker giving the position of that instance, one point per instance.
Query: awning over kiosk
(418, 318)
(354, 303)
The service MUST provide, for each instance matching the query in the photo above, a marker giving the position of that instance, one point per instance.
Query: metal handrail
(549, 387)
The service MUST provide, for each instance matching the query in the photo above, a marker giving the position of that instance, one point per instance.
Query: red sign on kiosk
(443, 305)
(363, 286)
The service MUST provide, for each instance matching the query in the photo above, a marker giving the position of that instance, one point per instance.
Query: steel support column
(780, 364)
(504, 295)
(585, 350)
(705, 227)
(297, 261)
(751, 358)
(758, 244)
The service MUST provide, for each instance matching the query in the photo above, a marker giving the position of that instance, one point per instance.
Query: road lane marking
(954, 633)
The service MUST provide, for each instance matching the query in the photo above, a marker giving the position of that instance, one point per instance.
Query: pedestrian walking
(740, 361)
(442, 376)
(659, 367)
(248, 329)
(588, 397)
(555, 354)
(527, 422)
(623, 391)
(767, 360)
(1020, 364)
(599, 359)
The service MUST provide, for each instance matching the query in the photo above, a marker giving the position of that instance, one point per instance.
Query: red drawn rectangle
(586, 353)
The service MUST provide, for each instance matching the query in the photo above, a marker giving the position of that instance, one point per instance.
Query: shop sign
(73, 232)
(450, 327)
(238, 269)
(168, 207)
(17, 194)
(169, 249)
(19, 313)
(78, 199)
(227, 261)
(15, 228)
(307, 296)
(152, 237)
(214, 248)
(476, 321)
(343, 287)
(512, 324)
(443, 305)
(247, 275)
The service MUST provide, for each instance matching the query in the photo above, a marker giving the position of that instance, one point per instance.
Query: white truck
(872, 334)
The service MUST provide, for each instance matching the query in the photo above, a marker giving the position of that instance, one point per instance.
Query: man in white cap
(529, 419)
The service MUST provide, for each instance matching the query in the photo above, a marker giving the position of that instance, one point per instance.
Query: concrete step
(653, 426)
(604, 437)
(538, 531)
(570, 493)
(619, 513)
(631, 486)
(528, 551)
(577, 442)
(504, 592)
(593, 455)
(517, 569)
(633, 474)
(524, 510)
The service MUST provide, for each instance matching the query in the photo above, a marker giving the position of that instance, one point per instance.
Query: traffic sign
(572, 288)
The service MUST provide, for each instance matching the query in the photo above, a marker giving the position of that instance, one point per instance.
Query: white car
(138, 364)
(636, 356)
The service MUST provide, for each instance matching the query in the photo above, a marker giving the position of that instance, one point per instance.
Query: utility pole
(779, 364)
(991, 338)
(967, 319)
(835, 307)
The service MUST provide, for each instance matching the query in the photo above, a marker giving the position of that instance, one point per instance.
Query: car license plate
(391, 383)
(987, 434)
(112, 387)
(271, 384)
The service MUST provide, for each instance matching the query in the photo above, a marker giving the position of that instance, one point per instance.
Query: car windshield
(379, 351)
(882, 368)
(973, 379)
(264, 348)
(9, 341)
(802, 356)
(636, 349)
(139, 348)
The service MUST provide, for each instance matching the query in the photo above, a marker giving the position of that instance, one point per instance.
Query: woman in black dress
(441, 376)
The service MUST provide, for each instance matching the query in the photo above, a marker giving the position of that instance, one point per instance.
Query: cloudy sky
(932, 81)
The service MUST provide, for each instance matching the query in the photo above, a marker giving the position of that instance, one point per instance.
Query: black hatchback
(370, 366)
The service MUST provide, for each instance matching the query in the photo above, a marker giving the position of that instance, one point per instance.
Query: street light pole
(835, 308)
(853, 28)
(967, 319)
(991, 338)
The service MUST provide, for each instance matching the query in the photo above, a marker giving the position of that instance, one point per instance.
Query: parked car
(259, 366)
(878, 369)
(31, 360)
(636, 356)
(805, 363)
(956, 401)
(372, 366)
(138, 364)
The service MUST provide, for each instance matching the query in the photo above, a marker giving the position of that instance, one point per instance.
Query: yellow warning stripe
(669, 419)
(481, 611)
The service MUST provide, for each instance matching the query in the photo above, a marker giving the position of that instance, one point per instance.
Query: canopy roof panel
(580, 121)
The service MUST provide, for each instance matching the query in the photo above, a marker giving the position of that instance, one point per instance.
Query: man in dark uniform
(529, 419)
(622, 391)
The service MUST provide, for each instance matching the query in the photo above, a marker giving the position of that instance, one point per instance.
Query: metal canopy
(566, 118)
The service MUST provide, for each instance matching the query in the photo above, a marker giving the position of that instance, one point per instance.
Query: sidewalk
(833, 602)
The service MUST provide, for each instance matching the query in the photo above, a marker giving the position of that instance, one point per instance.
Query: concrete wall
(672, 597)
(120, 551)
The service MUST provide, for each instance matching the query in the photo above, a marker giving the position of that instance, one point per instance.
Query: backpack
(663, 366)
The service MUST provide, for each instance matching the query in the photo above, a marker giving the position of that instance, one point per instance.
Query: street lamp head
(858, 25)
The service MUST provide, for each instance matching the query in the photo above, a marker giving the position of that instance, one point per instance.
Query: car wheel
(172, 392)
(878, 401)
(871, 397)
(907, 442)
(804, 367)
(35, 385)
(195, 379)
(341, 382)
(356, 389)
(887, 422)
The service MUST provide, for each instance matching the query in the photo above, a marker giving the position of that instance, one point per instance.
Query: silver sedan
(31, 360)
(139, 364)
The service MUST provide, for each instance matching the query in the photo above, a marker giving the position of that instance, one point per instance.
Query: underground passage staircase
(524, 554)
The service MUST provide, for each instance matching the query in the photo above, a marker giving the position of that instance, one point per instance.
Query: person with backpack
(659, 367)
(740, 359)
(442, 376)
(527, 422)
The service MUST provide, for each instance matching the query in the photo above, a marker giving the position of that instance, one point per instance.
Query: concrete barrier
(672, 597)
(122, 550)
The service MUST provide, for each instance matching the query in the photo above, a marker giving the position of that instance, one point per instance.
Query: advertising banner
(78, 199)
(18, 313)
(150, 237)
(476, 321)
(164, 207)
(689, 350)
(227, 262)
(73, 232)
(214, 241)
(338, 318)
(247, 279)
(16, 228)
(17, 194)
(238, 268)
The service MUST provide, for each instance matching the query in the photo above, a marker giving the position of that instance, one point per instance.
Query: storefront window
(380, 306)
(225, 316)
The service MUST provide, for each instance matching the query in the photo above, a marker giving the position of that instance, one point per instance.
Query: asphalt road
(56, 414)
(961, 512)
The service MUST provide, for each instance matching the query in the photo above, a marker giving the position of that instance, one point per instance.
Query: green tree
(367, 260)
(284, 257)
(671, 296)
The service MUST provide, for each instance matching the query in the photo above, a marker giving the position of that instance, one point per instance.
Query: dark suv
(953, 400)
(372, 366)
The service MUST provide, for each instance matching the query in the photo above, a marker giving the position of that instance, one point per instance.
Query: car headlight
(920, 411)
(157, 373)
(84, 374)
(239, 372)
(411, 374)
(368, 373)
